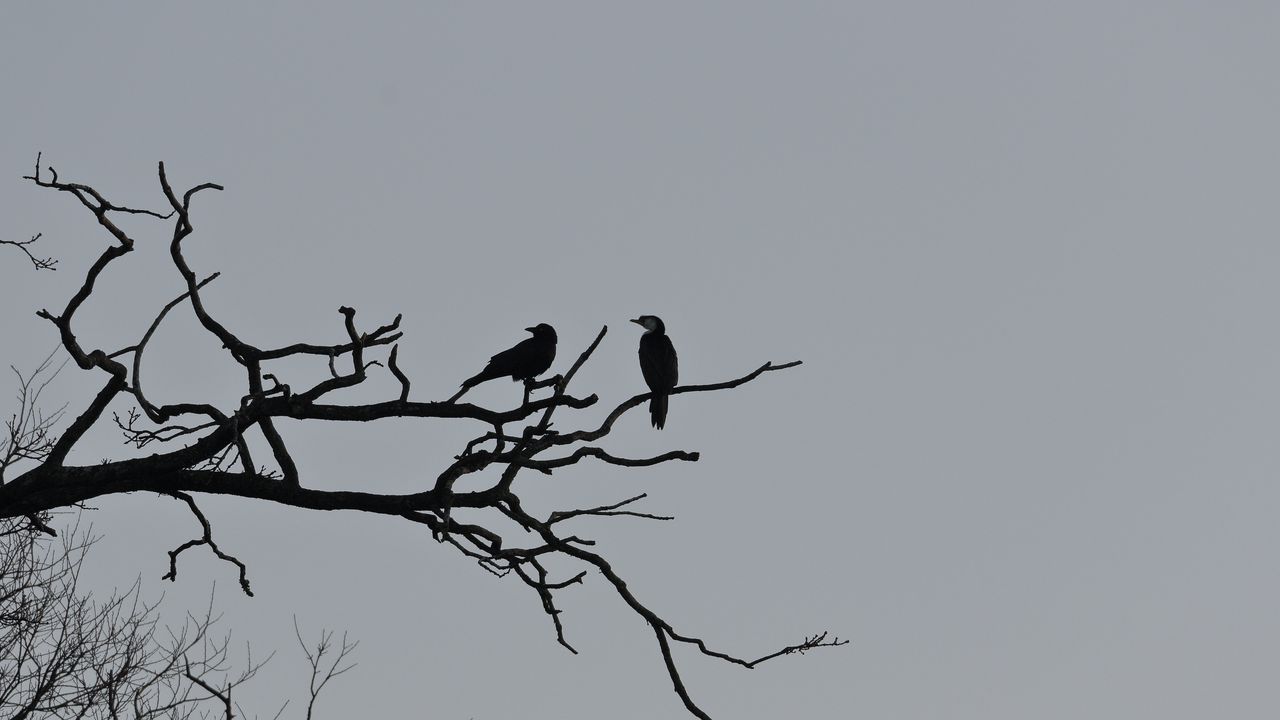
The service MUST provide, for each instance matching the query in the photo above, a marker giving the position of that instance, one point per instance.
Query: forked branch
(206, 538)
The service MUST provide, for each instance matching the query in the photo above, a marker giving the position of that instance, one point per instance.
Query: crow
(528, 359)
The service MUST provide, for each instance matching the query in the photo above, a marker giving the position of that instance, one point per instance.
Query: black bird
(528, 359)
(659, 365)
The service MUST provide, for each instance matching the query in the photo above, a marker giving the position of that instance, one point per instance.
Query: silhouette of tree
(218, 457)
(65, 654)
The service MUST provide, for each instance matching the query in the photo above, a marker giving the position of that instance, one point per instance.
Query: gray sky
(1026, 251)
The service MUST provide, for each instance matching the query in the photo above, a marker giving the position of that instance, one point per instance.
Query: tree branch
(205, 539)
(496, 531)
(560, 515)
(595, 452)
(40, 263)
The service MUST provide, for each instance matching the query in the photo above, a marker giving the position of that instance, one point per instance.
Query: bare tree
(65, 654)
(218, 457)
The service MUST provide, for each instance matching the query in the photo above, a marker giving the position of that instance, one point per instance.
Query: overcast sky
(1027, 251)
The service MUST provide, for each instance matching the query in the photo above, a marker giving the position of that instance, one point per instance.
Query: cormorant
(528, 359)
(659, 365)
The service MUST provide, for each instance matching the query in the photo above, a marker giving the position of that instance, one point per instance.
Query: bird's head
(650, 323)
(543, 330)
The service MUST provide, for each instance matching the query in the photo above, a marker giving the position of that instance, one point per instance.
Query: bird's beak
(528, 329)
(637, 321)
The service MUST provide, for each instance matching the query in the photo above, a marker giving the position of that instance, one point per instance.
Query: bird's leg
(530, 385)
(444, 514)
(552, 381)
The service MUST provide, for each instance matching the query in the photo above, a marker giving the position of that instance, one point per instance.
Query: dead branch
(205, 539)
(605, 510)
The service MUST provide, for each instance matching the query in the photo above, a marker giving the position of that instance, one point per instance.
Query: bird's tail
(469, 383)
(658, 411)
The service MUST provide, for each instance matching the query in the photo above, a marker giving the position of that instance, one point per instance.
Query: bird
(528, 359)
(659, 365)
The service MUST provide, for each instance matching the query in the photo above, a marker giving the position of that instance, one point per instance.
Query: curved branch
(138, 349)
(395, 370)
(595, 452)
(205, 539)
(636, 400)
(240, 350)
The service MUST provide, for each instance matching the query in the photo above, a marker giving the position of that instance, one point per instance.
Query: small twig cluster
(40, 263)
(65, 654)
(29, 430)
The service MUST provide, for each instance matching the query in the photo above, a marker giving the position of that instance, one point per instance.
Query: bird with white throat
(658, 364)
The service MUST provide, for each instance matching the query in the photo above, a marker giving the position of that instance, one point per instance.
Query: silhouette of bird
(528, 359)
(659, 365)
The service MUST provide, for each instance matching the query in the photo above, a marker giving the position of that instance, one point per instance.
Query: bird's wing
(507, 361)
(658, 362)
(505, 356)
(675, 362)
(515, 352)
